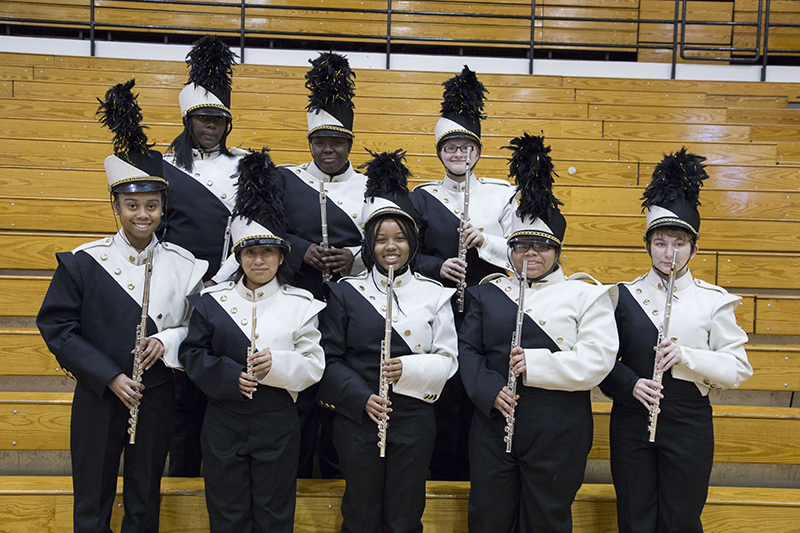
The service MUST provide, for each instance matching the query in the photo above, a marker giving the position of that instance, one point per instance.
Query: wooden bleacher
(605, 146)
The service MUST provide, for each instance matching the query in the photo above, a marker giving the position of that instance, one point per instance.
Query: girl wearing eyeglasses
(568, 345)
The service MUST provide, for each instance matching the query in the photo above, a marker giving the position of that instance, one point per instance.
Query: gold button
(508, 289)
(256, 335)
(407, 332)
(383, 282)
(538, 284)
(339, 202)
(248, 296)
(117, 271)
(210, 183)
(104, 257)
(383, 308)
(559, 339)
(244, 321)
(260, 294)
(655, 312)
(674, 339)
(528, 310)
(646, 301)
(159, 316)
(456, 211)
(706, 382)
(354, 215)
(361, 288)
(480, 228)
(455, 187)
(371, 297)
(435, 190)
(660, 287)
(108, 241)
(223, 196)
(418, 347)
(447, 200)
(399, 282)
(394, 319)
(223, 298)
(132, 259)
(542, 322)
(638, 291)
(234, 310)
(131, 286)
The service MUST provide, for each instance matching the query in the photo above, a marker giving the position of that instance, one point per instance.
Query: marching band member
(89, 321)
(330, 138)
(253, 345)
(440, 206)
(202, 173)
(662, 485)
(567, 346)
(386, 493)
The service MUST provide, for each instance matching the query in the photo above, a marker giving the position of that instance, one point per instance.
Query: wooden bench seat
(44, 504)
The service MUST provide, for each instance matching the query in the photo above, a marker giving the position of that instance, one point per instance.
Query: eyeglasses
(524, 247)
(451, 148)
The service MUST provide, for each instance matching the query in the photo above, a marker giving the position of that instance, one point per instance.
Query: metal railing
(758, 53)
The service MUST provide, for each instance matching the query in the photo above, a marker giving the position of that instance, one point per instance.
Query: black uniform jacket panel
(89, 323)
(216, 371)
(352, 350)
(438, 232)
(485, 344)
(196, 216)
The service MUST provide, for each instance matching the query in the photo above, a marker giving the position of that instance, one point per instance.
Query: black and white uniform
(201, 201)
(662, 486)
(570, 340)
(439, 205)
(385, 494)
(344, 202)
(250, 447)
(345, 199)
(88, 320)
(197, 212)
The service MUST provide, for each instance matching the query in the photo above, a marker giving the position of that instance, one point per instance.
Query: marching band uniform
(89, 321)
(662, 486)
(385, 493)
(569, 341)
(203, 185)
(251, 446)
(439, 206)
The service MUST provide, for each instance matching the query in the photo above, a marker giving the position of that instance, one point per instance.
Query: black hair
(284, 275)
(408, 229)
(183, 144)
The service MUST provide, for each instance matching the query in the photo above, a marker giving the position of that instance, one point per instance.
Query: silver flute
(226, 241)
(252, 348)
(323, 212)
(663, 333)
(516, 340)
(462, 245)
(141, 334)
(386, 353)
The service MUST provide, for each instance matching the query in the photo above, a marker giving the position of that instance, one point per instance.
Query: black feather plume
(211, 64)
(463, 95)
(331, 82)
(677, 175)
(120, 113)
(532, 169)
(259, 195)
(387, 174)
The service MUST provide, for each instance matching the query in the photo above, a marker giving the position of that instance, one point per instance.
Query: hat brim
(129, 187)
(325, 132)
(209, 111)
(264, 242)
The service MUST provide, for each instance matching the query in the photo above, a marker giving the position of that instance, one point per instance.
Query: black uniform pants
(662, 486)
(531, 488)
(386, 494)
(250, 469)
(98, 436)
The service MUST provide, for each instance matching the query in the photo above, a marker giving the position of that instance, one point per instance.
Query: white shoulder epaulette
(492, 277)
(583, 276)
(640, 278)
(495, 181)
(224, 286)
(709, 286)
(425, 278)
(99, 243)
(238, 151)
(426, 184)
(361, 275)
(297, 291)
(183, 252)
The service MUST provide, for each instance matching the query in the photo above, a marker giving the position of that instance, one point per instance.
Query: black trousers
(98, 437)
(250, 469)
(185, 457)
(531, 488)
(386, 494)
(454, 411)
(662, 486)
